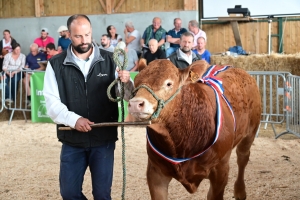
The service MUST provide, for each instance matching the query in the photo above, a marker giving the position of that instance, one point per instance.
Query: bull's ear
(199, 68)
(184, 76)
(142, 64)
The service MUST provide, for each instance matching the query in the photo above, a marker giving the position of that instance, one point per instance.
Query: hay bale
(262, 62)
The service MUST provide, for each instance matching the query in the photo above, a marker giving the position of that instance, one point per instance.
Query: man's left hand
(123, 75)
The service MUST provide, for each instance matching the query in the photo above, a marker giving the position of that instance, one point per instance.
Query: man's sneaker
(28, 104)
(9, 101)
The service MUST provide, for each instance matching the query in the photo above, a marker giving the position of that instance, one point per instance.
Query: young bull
(193, 129)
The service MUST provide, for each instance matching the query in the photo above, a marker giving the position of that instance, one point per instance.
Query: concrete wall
(25, 30)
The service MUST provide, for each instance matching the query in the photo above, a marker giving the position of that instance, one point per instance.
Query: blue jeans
(73, 164)
(170, 50)
(11, 86)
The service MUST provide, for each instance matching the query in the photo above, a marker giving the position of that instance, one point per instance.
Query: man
(132, 38)
(64, 40)
(205, 54)
(51, 51)
(32, 60)
(75, 87)
(43, 40)
(154, 53)
(173, 36)
(154, 31)
(105, 43)
(184, 56)
(196, 31)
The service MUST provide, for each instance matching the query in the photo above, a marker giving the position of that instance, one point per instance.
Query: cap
(121, 45)
(45, 30)
(62, 28)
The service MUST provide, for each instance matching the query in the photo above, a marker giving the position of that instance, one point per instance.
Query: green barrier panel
(132, 76)
(38, 107)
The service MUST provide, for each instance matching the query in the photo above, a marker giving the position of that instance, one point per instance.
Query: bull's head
(158, 84)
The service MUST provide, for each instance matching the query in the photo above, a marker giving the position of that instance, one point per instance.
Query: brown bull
(187, 123)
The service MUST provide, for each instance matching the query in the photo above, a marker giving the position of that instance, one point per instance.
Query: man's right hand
(83, 125)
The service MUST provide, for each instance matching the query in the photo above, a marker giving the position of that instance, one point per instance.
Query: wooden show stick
(67, 128)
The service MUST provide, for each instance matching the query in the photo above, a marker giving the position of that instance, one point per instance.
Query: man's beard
(185, 49)
(103, 44)
(63, 36)
(82, 50)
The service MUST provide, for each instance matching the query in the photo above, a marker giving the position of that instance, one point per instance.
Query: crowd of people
(78, 73)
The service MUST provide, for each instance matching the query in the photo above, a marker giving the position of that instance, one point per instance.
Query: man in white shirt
(184, 56)
(75, 91)
(105, 43)
(196, 31)
(132, 38)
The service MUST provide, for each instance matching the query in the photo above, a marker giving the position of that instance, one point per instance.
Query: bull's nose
(137, 105)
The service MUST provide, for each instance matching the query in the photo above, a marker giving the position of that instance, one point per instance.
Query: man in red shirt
(44, 40)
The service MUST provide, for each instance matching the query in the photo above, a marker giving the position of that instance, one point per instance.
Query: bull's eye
(169, 84)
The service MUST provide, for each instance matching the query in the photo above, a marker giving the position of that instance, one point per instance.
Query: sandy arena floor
(29, 154)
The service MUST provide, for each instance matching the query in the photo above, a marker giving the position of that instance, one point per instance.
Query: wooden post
(118, 5)
(103, 5)
(39, 8)
(108, 6)
(236, 33)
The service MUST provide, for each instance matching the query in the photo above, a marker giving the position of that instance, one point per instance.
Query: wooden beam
(190, 5)
(108, 7)
(118, 5)
(236, 33)
(39, 8)
(103, 5)
(235, 18)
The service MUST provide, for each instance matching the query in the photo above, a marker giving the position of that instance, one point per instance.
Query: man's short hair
(194, 23)
(34, 45)
(129, 24)
(73, 17)
(176, 19)
(105, 35)
(186, 34)
(50, 46)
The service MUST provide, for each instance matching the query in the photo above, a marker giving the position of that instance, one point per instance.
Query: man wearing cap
(43, 40)
(64, 40)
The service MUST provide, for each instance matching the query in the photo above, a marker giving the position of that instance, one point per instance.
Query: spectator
(64, 40)
(173, 36)
(12, 65)
(6, 46)
(84, 68)
(184, 56)
(131, 56)
(196, 31)
(43, 40)
(50, 48)
(32, 60)
(114, 37)
(205, 54)
(154, 31)
(105, 43)
(155, 52)
(132, 38)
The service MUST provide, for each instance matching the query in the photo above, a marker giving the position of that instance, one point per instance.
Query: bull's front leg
(158, 183)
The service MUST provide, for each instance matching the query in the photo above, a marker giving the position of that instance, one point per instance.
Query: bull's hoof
(240, 198)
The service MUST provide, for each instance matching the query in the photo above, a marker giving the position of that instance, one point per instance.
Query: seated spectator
(132, 64)
(64, 41)
(6, 46)
(154, 52)
(105, 43)
(12, 65)
(50, 48)
(196, 31)
(154, 31)
(43, 40)
(114, 37)
(32, 60)
(184, 56)
(173, 36)
(205, 54)
(132, 38)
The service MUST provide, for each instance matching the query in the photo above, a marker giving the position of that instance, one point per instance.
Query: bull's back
(243, 94)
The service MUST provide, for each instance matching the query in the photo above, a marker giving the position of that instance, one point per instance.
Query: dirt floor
(29, 166)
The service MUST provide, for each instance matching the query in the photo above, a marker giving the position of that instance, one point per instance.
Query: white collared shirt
(187, 58)
(84, 65)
